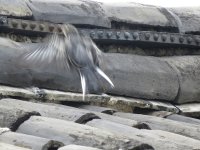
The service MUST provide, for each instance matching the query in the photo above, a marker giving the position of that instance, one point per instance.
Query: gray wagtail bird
(70, 50)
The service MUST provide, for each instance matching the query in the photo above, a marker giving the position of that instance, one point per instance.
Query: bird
(69, 50)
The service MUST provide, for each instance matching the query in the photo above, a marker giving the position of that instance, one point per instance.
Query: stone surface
(105, 110)
(73, 12)
(141, 135)
(64, 112)
(90, 13)
(127, 104)
(4, 146)
(7, 91)
(188, 70)
(118, 103)
(116, 119)
(120, 130)
(12, 117)
(77, 147)
(179, 139)
(157, 123)
(59, 96)
(181, 118)
(162, 114)
(28, 141)
(49, 95)
(139, 14)
(190, 109)
(189, 18)
(4, 130)
(15, 8)
(53, 111)
(140, 76)
(73, 133)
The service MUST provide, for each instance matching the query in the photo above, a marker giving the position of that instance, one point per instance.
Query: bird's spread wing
(43, 54)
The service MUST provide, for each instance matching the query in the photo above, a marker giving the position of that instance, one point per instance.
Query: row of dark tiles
(47, 125)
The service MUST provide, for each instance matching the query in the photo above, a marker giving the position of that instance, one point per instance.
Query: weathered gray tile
(77, 147)
(73, 12)
(69, 132)
(157, 123)
(143, 14)
(15, 8)
(53, 111)
(28, 141)
(12, 117)
(156, 141)
(4, 146)
(189, 18)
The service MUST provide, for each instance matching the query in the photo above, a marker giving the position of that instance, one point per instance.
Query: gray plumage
(69, 51)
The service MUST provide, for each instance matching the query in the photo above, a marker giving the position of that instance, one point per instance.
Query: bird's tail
(93, 80)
